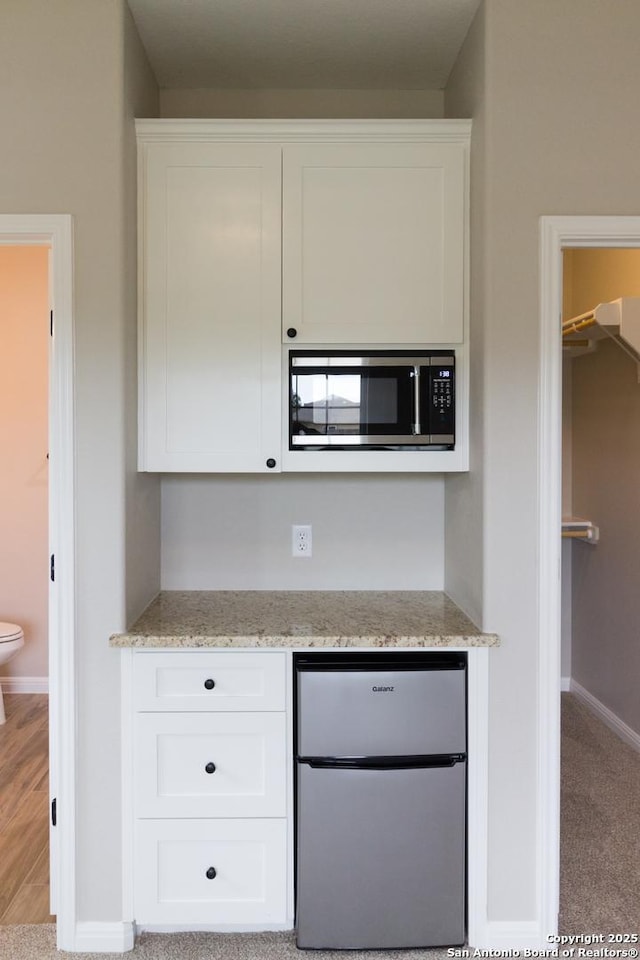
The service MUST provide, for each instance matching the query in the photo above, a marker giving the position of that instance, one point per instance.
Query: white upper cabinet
(259, 236)
(210, 319)
(373, 243)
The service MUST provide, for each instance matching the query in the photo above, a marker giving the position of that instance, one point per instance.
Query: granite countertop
(267, 618)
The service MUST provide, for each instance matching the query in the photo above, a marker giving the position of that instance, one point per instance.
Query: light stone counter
(266, 618)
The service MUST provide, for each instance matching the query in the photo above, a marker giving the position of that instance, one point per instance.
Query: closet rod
(576, 529)
(576, 324)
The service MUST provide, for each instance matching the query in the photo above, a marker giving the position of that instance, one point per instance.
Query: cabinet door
(373, 243)
(210, 765)
(209, 680)
(211, 871)
(210, 324)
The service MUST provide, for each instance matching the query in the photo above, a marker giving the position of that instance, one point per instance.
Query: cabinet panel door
(246, 861)
(207, 680)
(373, 240)
(210, 371)
(210, 765)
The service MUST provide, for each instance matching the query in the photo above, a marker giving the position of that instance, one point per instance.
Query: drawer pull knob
(210, 767)
(292, 332)
(211, 873)
(209, 684)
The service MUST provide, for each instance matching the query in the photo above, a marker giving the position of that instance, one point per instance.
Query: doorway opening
(24, 591)
(599, 873)
(53, 234)
(557, 235)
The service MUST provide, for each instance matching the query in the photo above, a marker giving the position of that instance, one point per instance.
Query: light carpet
(39, 943)
(600, 826)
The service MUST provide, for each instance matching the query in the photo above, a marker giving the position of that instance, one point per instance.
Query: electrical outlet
(301, 540)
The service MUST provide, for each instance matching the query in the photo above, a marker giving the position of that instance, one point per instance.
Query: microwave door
(372, 400)
(352, 405)
(387, 403)
(326, 404)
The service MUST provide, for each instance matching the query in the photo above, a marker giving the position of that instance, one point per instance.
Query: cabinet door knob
(210, 767)
(271, 463)
(292, 332)
(211, 873)
(209, 684)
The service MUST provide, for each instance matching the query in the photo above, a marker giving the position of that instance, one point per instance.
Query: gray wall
(369, 532)
(63, 111)
(466, 96)
(285, 104)
(142, 491)
(605, 594)
(605, 452)
(561, 82)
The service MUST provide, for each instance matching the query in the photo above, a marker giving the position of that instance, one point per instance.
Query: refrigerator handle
(412, 762)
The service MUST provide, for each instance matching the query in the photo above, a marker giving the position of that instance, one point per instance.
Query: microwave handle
(417, 426)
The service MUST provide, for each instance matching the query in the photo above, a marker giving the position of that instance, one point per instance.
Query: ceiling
(304, 44)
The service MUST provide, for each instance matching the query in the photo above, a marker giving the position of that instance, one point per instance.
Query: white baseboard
(24, 684)
(607, 716)
(95, 937)
(565, 684)
(512, 935)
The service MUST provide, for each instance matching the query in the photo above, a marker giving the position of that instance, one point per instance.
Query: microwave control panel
(442, 410)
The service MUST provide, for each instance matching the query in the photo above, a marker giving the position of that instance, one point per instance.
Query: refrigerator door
(380, 857)
(360, 710)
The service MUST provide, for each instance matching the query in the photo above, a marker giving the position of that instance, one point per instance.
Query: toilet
(11, 640)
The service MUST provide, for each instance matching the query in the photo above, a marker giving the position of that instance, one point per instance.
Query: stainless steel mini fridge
(381, 799)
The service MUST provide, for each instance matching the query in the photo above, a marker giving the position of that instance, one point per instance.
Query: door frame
(55, 231)
(556, 234)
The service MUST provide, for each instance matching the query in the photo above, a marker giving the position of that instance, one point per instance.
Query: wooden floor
(24, 810)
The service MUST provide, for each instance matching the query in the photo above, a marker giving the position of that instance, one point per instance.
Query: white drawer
(204, 680)
(210, 765)
(246, 861)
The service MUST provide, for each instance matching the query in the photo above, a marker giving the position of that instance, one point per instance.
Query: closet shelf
(618, 319)
(576, 529)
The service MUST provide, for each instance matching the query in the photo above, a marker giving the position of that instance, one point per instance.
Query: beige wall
(286, 104)
(63, 114)
(595, 276)
(24, 343)
(561, 83)
(606, 480)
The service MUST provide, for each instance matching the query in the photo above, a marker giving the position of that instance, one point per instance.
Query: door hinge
(51, 323)
(54, 812)
(52, 567)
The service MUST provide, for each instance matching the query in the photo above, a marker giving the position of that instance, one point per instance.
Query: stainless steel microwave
(372, 399)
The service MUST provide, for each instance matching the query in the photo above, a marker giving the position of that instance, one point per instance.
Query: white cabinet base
(259, 852)
(181, 819)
